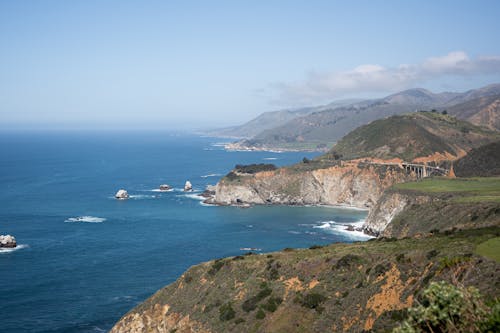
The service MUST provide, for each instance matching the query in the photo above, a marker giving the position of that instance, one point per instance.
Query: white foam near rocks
(342, 228)
(12, 249)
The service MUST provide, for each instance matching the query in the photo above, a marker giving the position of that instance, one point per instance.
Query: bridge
(421, 170)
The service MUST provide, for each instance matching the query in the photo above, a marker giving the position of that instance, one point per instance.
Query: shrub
(226, 312)
(239, 321)
(216, 266)
(260, 314)
(347, 260)
(254, 168)
(431, 254)
(250, 304)
(272, 304)
(311, 300)
(315, 247)
(448, 308)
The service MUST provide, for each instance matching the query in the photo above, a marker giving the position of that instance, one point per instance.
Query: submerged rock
(121, 194)
(165, 187)
(188, 186)
(7, 241)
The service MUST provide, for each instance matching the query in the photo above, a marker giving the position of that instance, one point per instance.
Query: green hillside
(413, 135)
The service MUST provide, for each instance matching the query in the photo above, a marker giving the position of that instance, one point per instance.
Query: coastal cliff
(351, 184)
(435, 205)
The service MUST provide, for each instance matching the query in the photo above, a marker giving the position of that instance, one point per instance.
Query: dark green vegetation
(248, 170)
(340, 287)
(480, 162)
(413, 135)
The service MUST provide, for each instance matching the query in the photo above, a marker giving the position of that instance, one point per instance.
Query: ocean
(85, 258)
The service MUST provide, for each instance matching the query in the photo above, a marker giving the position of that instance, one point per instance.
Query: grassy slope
(351, 287)
(465, 189)
(413, 135)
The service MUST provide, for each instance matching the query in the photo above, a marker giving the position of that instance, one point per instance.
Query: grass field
(490, 249)
(471, 189)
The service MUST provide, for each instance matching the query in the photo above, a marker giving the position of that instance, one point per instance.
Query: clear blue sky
(162, 64)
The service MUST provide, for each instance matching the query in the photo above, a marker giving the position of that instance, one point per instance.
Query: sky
(197, 64)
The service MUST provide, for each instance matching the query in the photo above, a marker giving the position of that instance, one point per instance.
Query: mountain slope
(413, 136)
(480, 162)
(325, 127)
(483, 111)
(365, 286)
(272, 119)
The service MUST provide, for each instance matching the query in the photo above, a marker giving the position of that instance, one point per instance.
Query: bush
(226, 312)
(311, 300)
(254, 168)
(347, 260)
(448, 308)
(216, 266)
(260, 314)
(272, 304)
(250, 304)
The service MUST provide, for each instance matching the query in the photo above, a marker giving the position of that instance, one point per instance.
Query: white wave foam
(294, 232)
(158, 190)
(88, 219)
(194, 196)
(270, 158)
(141, 196)
(12, 249)
(341, 228)
(211, 175)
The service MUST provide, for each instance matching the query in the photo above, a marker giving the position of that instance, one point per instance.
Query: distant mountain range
(318, 128)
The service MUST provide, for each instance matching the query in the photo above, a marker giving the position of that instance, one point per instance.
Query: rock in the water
(121, 194)
(350, 228)
(188, 186)
(7, 241)
(165, 187)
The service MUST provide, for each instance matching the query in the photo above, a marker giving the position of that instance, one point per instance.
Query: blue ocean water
(83, 276)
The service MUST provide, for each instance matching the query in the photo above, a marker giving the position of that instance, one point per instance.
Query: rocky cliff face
(401, 213)
(387, 208)
(353, 184)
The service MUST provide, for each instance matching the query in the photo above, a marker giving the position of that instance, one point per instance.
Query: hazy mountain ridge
(326, 125)
(272, 119)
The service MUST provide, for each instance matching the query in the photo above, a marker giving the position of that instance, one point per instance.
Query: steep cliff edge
(352, 184)
(341, 287)
(435, 205)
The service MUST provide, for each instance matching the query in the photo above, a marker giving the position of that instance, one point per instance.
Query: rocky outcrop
(165, 187)
(403, 213)
(188, 186)
(350, 184)
(159, 319)
(7, 241)
(121, 194)
(387, 207)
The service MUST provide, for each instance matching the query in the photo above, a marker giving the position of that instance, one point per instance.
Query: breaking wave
(88, 219)
(341, 228)
(12, 249)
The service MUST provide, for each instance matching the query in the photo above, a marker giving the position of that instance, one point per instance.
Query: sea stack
(7, 241)
(165, 187)
(121, 194)
(188, 187)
